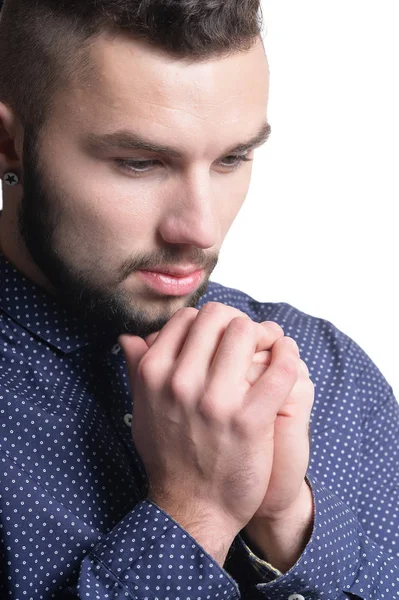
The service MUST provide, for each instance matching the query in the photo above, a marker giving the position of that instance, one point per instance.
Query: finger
(261, 361)
(272, 325)
(304, 368)
(292, 440)
(233, 362)
(255, 370)
(273, 388)
(263, 357)
(169, 342)
(210, 306)
(150, 339)
(299, 403)
(258, 356)
(217, 316)
(206, 334)
(134, 349)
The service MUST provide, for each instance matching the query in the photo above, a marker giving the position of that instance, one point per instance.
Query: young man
(180, 467)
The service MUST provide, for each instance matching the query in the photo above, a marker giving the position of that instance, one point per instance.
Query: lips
(174, 270)
(172, 285)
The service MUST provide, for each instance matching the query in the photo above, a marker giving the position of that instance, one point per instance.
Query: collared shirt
(74, 519)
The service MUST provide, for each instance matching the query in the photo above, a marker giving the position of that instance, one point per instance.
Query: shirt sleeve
(149, 556)
(341, 559)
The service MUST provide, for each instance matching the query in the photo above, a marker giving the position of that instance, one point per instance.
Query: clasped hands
(221, 410)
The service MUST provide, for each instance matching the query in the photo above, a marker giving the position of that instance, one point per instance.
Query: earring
(11, 178)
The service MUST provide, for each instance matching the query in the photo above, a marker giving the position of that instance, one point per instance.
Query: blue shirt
(73, 515)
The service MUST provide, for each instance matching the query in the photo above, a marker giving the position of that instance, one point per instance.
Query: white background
(318, 229)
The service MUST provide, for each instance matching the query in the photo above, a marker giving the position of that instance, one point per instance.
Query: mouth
(172, 285)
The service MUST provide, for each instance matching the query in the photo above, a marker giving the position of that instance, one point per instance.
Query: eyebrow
(129, 140)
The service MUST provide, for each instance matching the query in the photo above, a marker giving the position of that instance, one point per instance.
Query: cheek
(99, 208)
(101, 219)
(232, 199)
(98, 213)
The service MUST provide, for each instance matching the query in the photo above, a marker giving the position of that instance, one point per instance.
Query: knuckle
(272, 325)
(186, 312)
(148, 372)
(242, 426)
(144, 368)
(208, 412)
(180, 387)
(242, 325)
(211, 409)
(212, 413)
(218, 308)
(212, 308)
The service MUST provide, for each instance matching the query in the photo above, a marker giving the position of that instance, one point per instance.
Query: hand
(261, 360)
(287, 487)
(279, 533)
(205, 435)
(287, 484)
(282, 526)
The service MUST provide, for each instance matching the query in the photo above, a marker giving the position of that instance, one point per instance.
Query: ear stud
(11, 179)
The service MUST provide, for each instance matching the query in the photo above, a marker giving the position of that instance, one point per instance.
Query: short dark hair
(44, 42)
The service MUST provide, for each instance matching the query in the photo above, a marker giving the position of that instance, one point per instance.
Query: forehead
(132, 84)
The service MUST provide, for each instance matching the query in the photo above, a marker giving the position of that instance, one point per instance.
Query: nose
(191, 212)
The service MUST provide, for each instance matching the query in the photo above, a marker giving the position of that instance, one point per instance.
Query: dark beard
(39, 216)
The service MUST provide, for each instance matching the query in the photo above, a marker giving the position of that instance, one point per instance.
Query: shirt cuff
(264, 570)
(329, 561)
(151, 556)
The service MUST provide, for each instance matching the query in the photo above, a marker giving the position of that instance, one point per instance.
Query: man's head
(125, 121)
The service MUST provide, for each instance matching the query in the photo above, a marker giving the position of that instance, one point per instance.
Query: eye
(136, 166)
(238, 160)
(141, 167)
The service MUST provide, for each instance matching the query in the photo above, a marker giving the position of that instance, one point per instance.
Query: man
(127, 131)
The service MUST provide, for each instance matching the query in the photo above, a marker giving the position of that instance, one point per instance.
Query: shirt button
(296, 597)
(128, 419)
(116, 349)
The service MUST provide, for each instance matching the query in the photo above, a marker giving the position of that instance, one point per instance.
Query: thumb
(134, 348)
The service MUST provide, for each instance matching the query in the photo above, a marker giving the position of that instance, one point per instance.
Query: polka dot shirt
(74, 519)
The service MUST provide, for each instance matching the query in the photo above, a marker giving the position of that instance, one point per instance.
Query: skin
(80, 226)
(83, 225)
(222, 467)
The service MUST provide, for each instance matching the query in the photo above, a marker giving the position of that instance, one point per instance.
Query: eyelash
(127, 164)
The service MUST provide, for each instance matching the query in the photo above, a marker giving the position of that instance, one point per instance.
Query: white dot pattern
(74, 521)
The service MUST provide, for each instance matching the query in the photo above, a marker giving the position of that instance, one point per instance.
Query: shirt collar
(41, 314)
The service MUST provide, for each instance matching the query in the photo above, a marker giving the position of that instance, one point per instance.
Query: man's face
(93, 213)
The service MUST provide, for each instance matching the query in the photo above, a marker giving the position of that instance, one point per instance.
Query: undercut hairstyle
(44, 44)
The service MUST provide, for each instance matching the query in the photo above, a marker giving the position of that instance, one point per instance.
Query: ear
(11, 136)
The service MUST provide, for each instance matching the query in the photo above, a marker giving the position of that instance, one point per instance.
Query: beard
(108, 306)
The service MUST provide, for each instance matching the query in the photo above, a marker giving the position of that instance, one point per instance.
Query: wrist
(280, 540)
(213, 534)
(303, 506)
